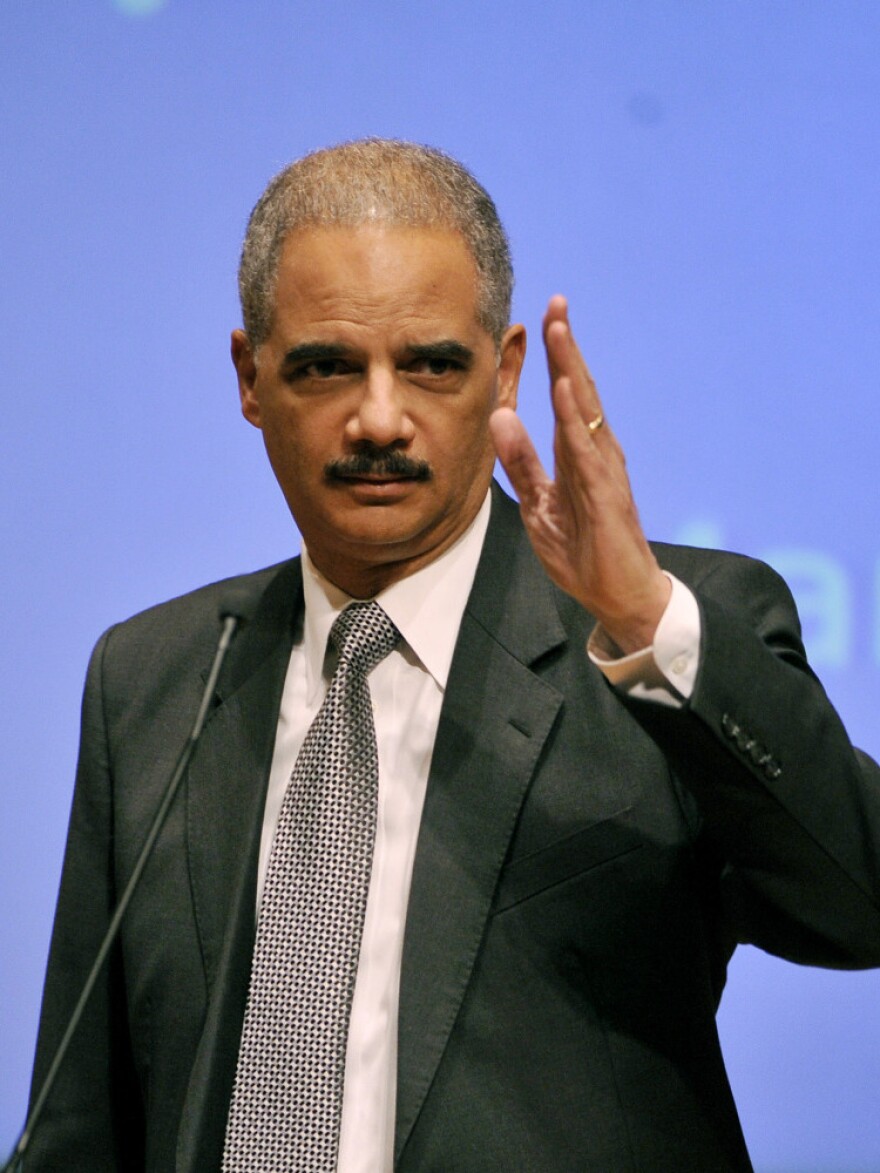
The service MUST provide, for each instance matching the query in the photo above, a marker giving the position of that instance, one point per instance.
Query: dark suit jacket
(585, 866)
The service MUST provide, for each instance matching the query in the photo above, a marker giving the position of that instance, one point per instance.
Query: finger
(517, 453)
(580, 458)
(574, 445)
(557, 311)
(578, 404)
(564, 358)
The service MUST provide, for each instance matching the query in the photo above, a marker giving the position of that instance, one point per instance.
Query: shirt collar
(426, 607)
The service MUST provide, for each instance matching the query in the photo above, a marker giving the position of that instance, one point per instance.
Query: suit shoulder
(203, 602)
(736, 583)
(182, 624)
(699, 566)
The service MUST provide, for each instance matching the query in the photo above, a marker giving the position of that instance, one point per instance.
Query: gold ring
(594, 425)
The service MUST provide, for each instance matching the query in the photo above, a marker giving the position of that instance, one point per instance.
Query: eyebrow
(446, 348)
(308, 352)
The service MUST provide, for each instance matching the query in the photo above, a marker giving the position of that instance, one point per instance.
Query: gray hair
(380, 181)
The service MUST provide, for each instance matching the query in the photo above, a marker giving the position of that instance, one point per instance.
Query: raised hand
(583, 524)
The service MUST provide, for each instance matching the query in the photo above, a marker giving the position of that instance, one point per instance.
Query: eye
(435, 365)
(325, 368)
(444, 361)
(319, 369)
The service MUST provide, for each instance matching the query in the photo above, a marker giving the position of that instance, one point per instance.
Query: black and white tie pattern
(287, 1100)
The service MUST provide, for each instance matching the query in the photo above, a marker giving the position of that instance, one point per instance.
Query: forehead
(375, 275)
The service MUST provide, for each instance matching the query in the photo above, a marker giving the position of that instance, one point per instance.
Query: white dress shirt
(666, 672)
(407, 691)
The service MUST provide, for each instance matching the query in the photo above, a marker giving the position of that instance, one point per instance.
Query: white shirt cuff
(666, 671)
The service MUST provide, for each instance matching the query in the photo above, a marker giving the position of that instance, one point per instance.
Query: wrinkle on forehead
(378, 278)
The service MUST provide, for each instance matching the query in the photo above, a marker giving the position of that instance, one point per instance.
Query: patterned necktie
(287, 1100)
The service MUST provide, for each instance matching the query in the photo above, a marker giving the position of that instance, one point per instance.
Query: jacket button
(744, 743)
(758, 754)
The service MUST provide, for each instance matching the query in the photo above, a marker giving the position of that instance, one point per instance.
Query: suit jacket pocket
(566, 858)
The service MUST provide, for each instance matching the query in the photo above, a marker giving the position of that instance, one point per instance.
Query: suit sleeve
(93, 1120)
(788, 810)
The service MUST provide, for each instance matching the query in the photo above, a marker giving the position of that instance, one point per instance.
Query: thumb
(516, 453)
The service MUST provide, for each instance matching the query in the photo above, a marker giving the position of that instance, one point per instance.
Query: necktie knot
(363, 635)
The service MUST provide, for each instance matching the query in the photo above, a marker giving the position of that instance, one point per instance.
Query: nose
(380, 416)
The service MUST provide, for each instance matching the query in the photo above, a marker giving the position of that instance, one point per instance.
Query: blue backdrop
(701, 179)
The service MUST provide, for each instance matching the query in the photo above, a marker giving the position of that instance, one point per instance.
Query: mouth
(375, 488)
(374, 478)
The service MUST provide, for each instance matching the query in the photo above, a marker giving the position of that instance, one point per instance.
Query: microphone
(237, 606)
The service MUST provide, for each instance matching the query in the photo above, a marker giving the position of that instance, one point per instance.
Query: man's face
(373, 392)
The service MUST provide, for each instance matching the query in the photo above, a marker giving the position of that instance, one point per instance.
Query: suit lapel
(225, 796)
(497, 714)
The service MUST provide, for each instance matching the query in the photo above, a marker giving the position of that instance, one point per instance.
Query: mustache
(378, 462)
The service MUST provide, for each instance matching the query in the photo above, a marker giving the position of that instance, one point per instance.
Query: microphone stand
(230, 617)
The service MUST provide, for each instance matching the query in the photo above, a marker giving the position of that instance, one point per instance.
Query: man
(566, 847)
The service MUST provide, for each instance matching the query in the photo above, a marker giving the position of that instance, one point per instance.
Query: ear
(246, 368)
(512, 356)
